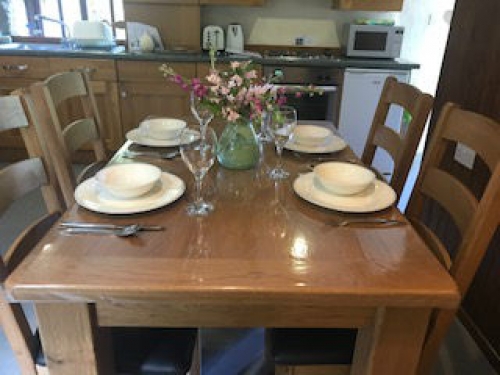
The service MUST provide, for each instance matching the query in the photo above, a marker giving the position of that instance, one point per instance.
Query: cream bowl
(128, 180)
(162, 128)
(311, 135)
(343, 178)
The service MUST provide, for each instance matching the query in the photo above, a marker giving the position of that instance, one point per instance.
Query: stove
(300, 54)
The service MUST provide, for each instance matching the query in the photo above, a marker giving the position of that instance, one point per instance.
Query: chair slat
(19, 179)
(78, 133)
(63, 86)
(12, 114)
(389, 140)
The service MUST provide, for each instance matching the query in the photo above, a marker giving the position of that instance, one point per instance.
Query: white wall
(279, 22)
(425, 39)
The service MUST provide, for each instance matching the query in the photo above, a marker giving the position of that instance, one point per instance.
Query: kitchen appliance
(92, 34)
(213, 37)
(378, 41)
(317, 107)
(234, 39)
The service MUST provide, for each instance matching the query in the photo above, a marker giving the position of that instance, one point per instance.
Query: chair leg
(430, 351)
(196, 362)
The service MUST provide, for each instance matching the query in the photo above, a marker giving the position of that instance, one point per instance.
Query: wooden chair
(403, 146)
(67, 128)
(475, 214)
(476, 220)
(137, 350)
(16, 180)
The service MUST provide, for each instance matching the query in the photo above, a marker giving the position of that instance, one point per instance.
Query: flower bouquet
(238, 96)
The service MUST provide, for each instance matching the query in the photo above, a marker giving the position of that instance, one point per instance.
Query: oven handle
(327, 89)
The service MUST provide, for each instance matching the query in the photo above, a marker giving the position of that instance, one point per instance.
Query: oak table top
(264, 257)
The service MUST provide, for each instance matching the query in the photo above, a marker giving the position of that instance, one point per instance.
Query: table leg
(70, 339)
(392, 343)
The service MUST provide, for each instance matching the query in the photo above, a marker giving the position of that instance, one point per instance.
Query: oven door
(322, 107)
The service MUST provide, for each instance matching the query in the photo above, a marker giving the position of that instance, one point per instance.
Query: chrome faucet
(66, 37)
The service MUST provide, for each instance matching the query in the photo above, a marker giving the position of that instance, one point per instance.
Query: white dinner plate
(137, 136)
(376, 197)
(332, 144)
(89, 195)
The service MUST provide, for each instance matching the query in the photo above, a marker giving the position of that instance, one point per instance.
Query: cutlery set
(112, 229)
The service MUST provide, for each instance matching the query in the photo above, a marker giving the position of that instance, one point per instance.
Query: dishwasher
(360, 95)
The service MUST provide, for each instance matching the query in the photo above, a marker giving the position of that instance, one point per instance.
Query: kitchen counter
(174, 56)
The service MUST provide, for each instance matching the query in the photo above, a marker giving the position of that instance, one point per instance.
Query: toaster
(213, 36)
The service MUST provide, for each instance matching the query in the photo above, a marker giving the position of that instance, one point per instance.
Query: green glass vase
(238, 147)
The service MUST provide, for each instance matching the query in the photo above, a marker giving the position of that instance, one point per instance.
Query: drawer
(148, 71)
(99, 70)
(24, 67)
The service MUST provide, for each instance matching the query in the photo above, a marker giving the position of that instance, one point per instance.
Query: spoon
(162, 155)
(126, 231)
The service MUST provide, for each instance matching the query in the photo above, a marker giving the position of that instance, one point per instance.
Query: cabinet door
(373, 5)
(141, 99)
(360, 95)
(145, 92)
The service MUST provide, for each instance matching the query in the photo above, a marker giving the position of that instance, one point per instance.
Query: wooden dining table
(263, 258)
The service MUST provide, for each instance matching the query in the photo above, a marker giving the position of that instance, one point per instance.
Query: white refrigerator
(360, 95)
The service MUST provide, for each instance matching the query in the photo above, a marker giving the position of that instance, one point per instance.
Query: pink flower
(298, 94)
(235, 64)
(252, 74)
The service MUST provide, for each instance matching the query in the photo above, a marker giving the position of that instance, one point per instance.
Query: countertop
(174, 56)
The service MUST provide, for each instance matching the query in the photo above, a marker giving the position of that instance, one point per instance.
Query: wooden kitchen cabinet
(368, 5)
(145, 92)
(103, 76)
(18, 72)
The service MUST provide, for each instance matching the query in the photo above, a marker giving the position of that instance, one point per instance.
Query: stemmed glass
(198, 153)
(264, 135)
(281, 124)
(200, 112)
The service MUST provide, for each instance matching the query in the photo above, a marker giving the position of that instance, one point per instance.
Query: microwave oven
(376, 41)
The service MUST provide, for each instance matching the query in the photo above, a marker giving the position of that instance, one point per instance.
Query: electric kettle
(234, 38)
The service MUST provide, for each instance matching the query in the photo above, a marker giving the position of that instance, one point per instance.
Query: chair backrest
(16, 180)
(476, 219)
(50, 98)
(400, 146)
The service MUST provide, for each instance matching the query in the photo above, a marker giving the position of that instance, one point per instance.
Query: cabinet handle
(123, 94)
(377, 82)
(17, 68)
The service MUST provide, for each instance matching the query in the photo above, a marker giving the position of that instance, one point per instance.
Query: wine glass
(281, 124)
(264, 135)
(198, 153)
(200, 112)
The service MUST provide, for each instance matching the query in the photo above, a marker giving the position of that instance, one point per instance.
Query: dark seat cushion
(151, 351)
(311, 346)
(148, 351)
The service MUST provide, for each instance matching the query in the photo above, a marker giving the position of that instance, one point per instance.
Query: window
(25, 23)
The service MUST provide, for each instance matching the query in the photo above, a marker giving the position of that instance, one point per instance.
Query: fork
(152, 154)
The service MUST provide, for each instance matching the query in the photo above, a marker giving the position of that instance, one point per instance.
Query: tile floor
(239, 352)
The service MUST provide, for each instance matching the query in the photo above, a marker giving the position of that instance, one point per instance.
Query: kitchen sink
(57, 47)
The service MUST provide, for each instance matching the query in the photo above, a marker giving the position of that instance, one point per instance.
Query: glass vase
(238, 147)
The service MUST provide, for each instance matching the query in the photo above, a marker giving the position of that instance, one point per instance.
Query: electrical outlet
(465, 156)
